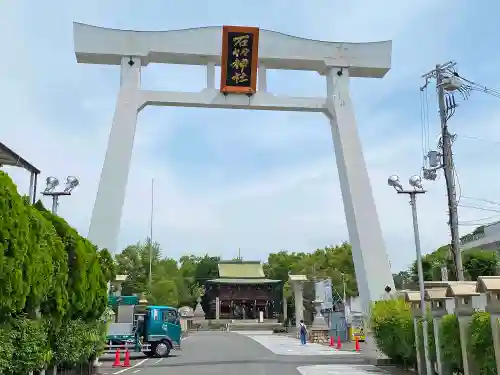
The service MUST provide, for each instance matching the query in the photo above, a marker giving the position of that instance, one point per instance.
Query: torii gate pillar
(338, 62)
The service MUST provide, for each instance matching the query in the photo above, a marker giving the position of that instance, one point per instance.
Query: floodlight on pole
(51, 184)
(417, 188)
(394, 182)
(71, 183)
(416, 182)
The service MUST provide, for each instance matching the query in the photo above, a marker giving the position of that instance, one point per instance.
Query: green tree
(480, 263)
(14, 241)
(334, 262)
(164, 292)
(189, 289)
(134, 262)
(206, 268)
(107, 264)
(38, 269)
(86, 285)
(431, 265)
(403, 280)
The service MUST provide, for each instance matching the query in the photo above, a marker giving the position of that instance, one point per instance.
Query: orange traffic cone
(126, 362)
(117, 362)
(339, 343)
(356, 347)
(332, 342)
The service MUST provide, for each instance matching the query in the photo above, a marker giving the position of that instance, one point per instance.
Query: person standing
(303, 332)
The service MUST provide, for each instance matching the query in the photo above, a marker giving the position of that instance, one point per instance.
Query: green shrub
(31, 346)
(77, 342)
(392, 327)
(481, 343)
(6, 349)
(450, 343)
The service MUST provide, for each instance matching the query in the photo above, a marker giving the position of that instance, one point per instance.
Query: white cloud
(61, 123)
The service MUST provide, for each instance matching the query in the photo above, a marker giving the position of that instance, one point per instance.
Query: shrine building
(242, 291)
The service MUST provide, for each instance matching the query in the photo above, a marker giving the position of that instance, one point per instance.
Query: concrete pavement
(250, 353)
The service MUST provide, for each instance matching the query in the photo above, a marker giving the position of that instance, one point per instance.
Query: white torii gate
(338, 62)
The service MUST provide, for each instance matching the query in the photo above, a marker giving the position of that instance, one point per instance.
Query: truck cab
(160, 328)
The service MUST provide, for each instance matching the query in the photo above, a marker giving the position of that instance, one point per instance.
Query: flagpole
(151, 234)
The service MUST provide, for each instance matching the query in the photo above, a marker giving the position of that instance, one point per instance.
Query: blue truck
(152, 330)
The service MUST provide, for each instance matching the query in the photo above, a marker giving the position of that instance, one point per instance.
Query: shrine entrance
(242, 292)
(244, 55)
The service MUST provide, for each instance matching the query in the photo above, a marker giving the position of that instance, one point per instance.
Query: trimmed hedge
(392, 327)
(481, 343)
(53, 288)
(450, 343)
(393, 331)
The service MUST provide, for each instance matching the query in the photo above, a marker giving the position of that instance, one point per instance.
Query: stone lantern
(319, 328)
(462, 292)
(490, 285)
(437, 298)
(199, 314)
(413, 298)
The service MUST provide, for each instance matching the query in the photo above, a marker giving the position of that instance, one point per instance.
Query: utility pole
(447, 162)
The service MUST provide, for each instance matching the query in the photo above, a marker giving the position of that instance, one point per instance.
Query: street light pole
(416, 183)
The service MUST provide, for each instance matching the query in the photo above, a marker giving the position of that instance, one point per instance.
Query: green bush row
(26, 344)
(394, 333)
(53, 288)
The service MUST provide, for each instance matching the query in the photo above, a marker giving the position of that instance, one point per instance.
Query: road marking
(158, 361)
(131, 367)
(135, 371)
(340, 370)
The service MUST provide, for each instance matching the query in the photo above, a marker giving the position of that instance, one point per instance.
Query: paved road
(250, 353)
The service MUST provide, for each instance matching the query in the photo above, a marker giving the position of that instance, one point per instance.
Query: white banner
(323, 291)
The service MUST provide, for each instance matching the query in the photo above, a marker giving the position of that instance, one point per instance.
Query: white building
(489, 239)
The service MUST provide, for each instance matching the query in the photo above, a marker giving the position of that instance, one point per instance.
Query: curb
(380, 361)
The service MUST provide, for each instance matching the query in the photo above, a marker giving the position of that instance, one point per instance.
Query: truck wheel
(162, 350)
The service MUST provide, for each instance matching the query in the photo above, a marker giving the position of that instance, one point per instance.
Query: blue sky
(259, 181)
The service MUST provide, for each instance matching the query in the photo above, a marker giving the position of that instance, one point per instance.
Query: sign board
(323, 291)
(328, 291)
(239, 60)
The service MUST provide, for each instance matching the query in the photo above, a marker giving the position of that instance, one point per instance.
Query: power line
(482, 200)
(471, 222)
(479, 139)
(479, 208)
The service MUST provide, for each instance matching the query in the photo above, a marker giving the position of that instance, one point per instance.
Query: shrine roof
(254, 281)
(239, 269)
